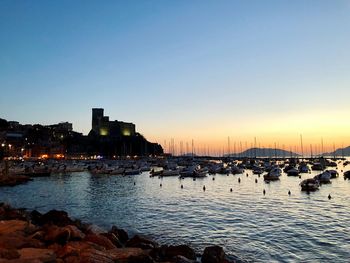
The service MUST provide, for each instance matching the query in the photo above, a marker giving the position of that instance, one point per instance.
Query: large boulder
(18, 240)
(44, 255)
(95, 256)
(141, 242)
(170, 252)
(113, 238)
(121, 234)
(9, 253)
(213, 254)
(55, 234)
(125, 255)
(59, 218)
(181, 259)
(100, 240)
(62, 235)
(11, 226)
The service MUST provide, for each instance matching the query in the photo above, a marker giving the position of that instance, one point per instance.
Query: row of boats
(185, 167)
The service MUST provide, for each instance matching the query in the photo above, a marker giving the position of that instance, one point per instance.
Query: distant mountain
(339, 152)
(264, 152)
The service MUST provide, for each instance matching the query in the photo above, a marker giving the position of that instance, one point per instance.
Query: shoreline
(29, 236)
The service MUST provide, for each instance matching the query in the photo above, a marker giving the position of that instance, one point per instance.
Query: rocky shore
(13, 180)
(32, 237)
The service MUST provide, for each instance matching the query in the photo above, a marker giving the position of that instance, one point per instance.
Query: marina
(253, 219)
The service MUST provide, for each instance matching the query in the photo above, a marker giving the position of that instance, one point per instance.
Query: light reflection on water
(254, 227)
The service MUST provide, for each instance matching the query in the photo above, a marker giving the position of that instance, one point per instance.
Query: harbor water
(251, 226)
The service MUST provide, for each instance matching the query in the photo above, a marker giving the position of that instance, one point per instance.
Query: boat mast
(301, 145)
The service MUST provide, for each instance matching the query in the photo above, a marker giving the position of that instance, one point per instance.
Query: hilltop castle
(102, 126)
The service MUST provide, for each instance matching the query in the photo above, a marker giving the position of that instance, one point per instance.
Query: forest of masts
(239, 149)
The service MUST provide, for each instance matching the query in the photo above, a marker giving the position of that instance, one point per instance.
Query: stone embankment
(32, 237)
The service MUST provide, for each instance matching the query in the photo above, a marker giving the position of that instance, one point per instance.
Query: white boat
(155, 172)
(202, 172)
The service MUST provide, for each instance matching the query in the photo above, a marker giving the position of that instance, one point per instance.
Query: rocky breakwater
(32, 237)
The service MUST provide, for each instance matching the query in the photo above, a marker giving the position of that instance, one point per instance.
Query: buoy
(258, 175)
(239, 180)
(264, 192)
(231, 190)
(289, 193)
(299, 176)
(329, 197)
(194, 179)
(203, 188)
(134, 183)
(227, 174)
(247, 174)
(256, 181)
(160, 185)
(182, 186)
(213, 178)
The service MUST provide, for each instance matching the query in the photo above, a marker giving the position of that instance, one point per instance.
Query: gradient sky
(181, 69)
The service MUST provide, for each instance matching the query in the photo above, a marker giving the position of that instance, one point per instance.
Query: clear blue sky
(183, 69)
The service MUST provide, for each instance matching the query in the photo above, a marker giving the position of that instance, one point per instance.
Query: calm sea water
(255, 228)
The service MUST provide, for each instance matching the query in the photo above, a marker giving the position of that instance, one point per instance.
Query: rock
(13, 180)
(120, 233)
(39, 235)
(18, 240)
(100, 240)
(113, 238)
(35, 216)
(9, 253)
(169, 252)
(142, 258)
(62, 235)
(55, 234)
(95, 256)
(93, 229)
(59, 218)
(81, 245)
(18, 260)
(44, 255)
(67, 251)
(141, 242)
(11, 226)
(11, 214)
(75, 233)
(181, 259)
(72, 259)
(123, 255)
(213, 254)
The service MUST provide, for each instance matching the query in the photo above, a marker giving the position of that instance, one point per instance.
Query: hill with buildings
(106, 138)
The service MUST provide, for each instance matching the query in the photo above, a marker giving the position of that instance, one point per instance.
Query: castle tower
(97, 116)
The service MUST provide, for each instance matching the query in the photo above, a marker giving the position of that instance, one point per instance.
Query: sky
(182, 70)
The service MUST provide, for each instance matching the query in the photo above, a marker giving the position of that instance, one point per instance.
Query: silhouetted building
(101, 125)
